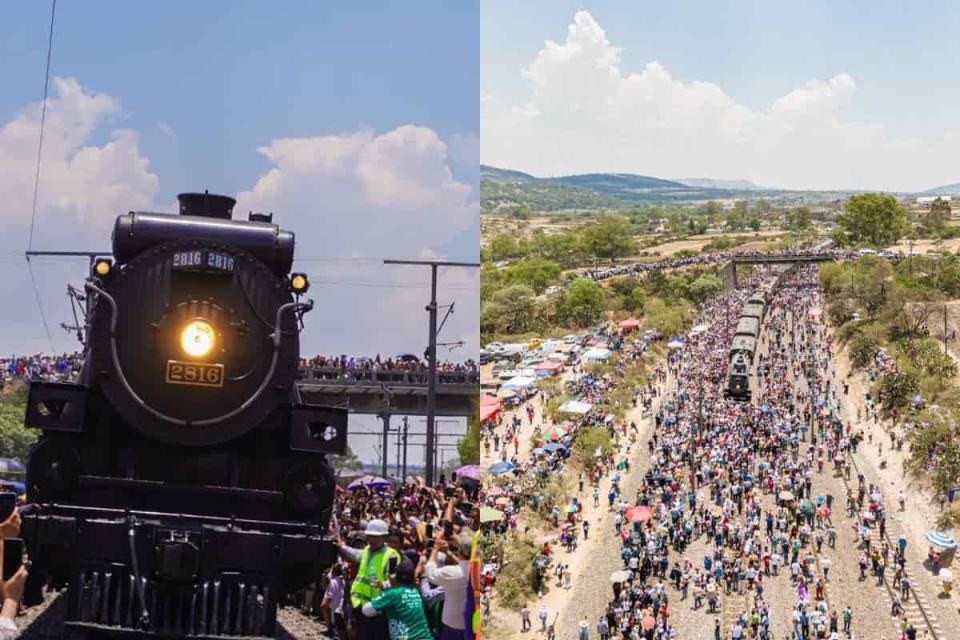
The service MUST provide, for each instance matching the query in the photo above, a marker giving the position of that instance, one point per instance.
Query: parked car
(484, 357)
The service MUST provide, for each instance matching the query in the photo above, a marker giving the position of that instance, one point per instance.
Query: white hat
(376, 528)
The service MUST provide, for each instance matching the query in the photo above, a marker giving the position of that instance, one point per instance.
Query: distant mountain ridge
(945, 190)
(505, 187)
(713, 183)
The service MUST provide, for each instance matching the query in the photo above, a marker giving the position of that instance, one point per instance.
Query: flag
(472, 613)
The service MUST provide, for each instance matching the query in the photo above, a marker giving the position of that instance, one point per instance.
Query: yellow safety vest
(370, 570)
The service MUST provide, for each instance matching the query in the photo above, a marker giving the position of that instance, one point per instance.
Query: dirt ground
(927, 246)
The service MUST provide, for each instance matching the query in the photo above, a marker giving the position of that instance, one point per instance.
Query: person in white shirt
(332, 605)
(454, 578)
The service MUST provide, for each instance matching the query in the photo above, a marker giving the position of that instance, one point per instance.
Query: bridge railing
(385, 376)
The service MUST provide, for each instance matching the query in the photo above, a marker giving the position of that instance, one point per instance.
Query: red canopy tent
(549, 366)
(489, 407)
(632, 324)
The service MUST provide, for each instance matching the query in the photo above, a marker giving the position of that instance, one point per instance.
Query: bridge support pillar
(384, 447)
(728, 273)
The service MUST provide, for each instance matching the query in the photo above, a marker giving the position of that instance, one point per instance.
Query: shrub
(898, 389)
(840, 312)
(586, 444)
(515, 582)
(862, 350)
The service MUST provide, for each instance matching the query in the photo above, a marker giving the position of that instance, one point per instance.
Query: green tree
(705, 287)
(937, 217)
(668, 319)
(469, 446)
(588, 441)
(898, 388)
(502, 246)
(609, 237)
(874, 219)
(509, 310)
(491, 279)
(521, 213)
(798, 219)
(582, 303)
(872, 284)
(15, 438)
(737, 218)
(346, 462)
(537, 273)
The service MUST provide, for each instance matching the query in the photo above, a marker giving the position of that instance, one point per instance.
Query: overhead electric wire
(36, 178)
(43, 119)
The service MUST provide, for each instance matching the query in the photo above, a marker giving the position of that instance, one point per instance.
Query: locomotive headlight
(197, 338)
(102, 267)
(299, 282)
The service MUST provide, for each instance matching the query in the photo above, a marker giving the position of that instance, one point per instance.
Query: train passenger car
(748, 327)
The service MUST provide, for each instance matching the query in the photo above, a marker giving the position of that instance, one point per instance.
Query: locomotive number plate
(203, 260)
(194, 373)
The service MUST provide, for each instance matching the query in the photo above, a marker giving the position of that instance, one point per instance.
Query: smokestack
(206, 205)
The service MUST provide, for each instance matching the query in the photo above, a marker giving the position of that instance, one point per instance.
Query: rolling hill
(507, 188)
(945, 190)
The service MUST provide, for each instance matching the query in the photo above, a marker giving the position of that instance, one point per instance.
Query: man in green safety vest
(373, 577)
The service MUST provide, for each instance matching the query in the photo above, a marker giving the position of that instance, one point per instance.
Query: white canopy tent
(597, 353)
(575, 406)
(520, 382)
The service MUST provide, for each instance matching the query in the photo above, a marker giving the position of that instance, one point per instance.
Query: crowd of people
(50, 368)
(404, 566)
(353, 365)
(522, 480)
(66, 367)
(714, 258)
(734, 502)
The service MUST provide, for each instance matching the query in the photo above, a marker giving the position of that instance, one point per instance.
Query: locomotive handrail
(276, 337)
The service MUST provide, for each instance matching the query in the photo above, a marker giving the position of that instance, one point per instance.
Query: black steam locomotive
(745, 340)
(181, 487)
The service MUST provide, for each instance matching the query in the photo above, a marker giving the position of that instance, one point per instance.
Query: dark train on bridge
(181, 487)
(746, 338)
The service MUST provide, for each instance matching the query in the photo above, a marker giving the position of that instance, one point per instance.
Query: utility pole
(432, 351)
(385, 447)
(406, 426)
(945, 329)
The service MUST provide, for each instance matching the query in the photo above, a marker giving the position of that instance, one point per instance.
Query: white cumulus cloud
(586, 113)
(352, 199)
(80, 181)
(355, 199)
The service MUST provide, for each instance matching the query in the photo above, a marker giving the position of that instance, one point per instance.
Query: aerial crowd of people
(738, 498)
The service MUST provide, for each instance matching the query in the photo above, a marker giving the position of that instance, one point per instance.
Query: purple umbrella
(469, 471)
(371, 482)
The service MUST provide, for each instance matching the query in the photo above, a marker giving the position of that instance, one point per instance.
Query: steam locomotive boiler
(181, 487)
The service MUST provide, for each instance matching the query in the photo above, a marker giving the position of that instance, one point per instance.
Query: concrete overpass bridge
(385, 393)
(394, 391)
(728, 272)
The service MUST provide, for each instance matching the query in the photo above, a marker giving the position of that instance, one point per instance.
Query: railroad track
(45, 621)
(915, 609)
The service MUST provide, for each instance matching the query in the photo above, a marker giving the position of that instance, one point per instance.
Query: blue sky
(901, 57)
(228, 77)
(356, 123)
